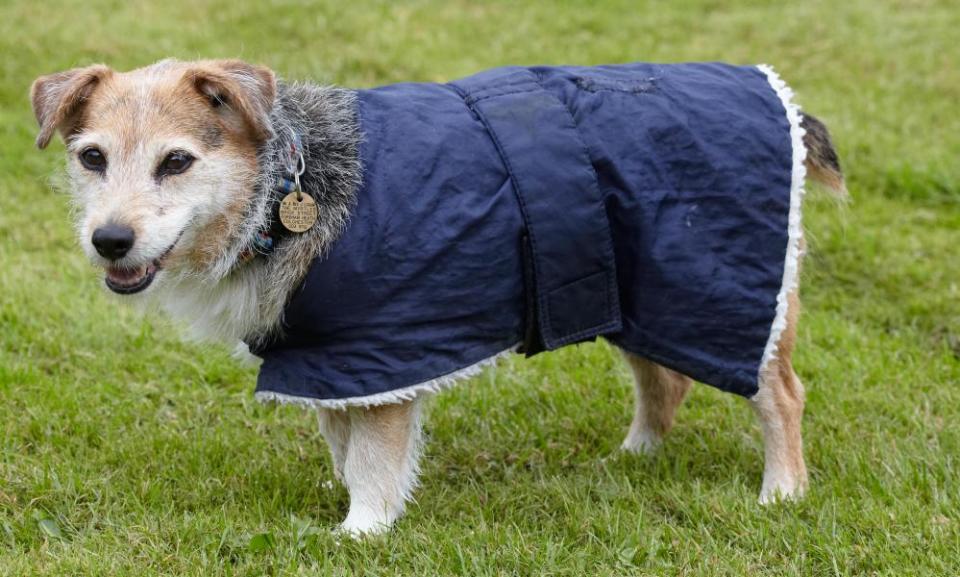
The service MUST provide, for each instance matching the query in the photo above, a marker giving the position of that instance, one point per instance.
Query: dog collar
(265, 240)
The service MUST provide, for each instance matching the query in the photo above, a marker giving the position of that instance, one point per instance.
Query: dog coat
(654, 205)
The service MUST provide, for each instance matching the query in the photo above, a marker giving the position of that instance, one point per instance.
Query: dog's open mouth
(127, 281)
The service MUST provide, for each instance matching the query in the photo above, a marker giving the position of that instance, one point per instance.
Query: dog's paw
(641, 443)
(782, 489)
(364, 523)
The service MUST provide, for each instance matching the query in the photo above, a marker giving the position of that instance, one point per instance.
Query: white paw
(641, 443)
(362, 522)
(778, 488)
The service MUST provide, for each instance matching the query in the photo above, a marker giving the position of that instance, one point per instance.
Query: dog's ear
(59, 98)
(239, 91)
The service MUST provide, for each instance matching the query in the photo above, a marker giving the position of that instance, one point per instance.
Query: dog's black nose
(113, 240)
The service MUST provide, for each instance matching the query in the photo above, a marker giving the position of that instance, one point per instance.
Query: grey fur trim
(325, 119)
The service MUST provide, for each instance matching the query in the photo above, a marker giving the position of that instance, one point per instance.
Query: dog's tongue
(127, 276)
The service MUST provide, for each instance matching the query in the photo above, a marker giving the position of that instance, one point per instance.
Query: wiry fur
(823, 164)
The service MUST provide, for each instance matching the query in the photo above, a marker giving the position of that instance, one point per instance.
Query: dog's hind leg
(380, 466)
(659, 391)
(779, 405)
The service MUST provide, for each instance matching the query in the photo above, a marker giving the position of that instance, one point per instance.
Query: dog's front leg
(335, 428)
(380, 465)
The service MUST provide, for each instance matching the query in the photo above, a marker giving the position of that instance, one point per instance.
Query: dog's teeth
(126, 275)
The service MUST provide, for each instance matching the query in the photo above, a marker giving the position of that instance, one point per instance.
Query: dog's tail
(822, 163)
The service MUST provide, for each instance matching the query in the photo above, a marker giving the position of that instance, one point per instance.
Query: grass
(125, 451)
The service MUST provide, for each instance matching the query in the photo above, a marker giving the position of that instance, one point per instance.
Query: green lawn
(124, 451)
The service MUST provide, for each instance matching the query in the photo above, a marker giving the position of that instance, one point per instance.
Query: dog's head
(162, 160)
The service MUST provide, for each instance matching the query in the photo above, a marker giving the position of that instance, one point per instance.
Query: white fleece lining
(794, 225)
(389, 397)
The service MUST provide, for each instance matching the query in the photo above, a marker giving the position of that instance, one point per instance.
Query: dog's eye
(175, 163)
(92, 159)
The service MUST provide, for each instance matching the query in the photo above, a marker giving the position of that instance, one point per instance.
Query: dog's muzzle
(126, 280)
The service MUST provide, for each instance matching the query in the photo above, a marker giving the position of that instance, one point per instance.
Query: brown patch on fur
(822, 162)
(780, 405)
(58, 99)
(217, 235)
(169, 108)
(238, 91)
(659, 392)
(212, 137)
(170, 97)
(394, 422)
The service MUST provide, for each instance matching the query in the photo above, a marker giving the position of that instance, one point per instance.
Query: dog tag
(298, 215)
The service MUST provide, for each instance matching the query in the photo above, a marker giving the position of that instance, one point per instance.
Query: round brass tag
(298, 215)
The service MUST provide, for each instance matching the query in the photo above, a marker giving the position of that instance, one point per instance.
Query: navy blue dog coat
(655, 205)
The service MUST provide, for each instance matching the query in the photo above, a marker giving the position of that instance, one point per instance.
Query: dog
(225, 196)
